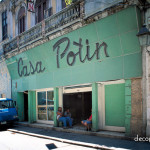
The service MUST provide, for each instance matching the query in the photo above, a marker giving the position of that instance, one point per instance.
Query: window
(40, 8)
(6, 104)
(45, 105)
(4, 25)
(21, 20)
(63, 4)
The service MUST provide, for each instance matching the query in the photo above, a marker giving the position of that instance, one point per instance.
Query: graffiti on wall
(71, 56)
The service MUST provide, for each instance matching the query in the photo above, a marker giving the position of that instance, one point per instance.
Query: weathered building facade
(82, 56)
(5, 80)
(146, 69)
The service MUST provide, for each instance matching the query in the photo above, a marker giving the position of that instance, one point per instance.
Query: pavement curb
(95, 146)
(76, 131)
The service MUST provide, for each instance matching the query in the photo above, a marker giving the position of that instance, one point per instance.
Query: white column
(61, 97)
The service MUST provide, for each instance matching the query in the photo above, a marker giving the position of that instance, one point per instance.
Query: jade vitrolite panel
(101, 51)
(115, 105)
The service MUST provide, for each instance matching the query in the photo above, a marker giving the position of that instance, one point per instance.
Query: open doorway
(80, 105)
(26, 106)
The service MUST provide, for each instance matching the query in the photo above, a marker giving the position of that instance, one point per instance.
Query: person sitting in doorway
(63, 119)
(67, 113)
(87, 123)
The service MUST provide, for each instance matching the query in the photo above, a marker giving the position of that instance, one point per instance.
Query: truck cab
(8, 113)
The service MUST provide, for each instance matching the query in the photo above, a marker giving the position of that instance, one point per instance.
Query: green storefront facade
(101, 57)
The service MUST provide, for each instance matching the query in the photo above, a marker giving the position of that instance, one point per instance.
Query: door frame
(77, 88)
(26, 92)
(43, 121)
(101, 106)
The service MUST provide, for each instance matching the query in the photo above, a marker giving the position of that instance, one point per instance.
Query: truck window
(6, 104)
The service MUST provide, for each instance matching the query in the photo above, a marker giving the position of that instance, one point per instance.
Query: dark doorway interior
(80, 105)
(26, 106)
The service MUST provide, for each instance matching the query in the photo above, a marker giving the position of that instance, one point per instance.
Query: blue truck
(8, 113)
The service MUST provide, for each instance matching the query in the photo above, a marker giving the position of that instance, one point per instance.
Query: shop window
(4, 25)
(21, 20)
(45, 105)
(40, 8)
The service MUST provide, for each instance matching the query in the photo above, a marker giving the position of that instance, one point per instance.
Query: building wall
(92, 7)
(148, 97)
(136, 102)
(146, 77)
(5, 81)
(12, 31)
(39, 68)
(30, 70)
(124, 59)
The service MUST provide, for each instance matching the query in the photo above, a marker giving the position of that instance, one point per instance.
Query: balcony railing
(62, 18)
(44, 28)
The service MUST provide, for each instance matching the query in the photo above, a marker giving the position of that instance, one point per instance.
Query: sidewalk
(79, 130)
(77, 139)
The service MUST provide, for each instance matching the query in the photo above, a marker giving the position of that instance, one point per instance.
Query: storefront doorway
(79, 101)
(45, 106)
(26, 106)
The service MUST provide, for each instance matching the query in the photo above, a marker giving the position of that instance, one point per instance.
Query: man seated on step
(63, 119)
(88, 122)
(67, 113)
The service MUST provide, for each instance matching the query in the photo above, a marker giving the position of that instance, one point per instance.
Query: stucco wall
(5, 80)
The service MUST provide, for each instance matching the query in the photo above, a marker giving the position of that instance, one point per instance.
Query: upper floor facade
(25, 22)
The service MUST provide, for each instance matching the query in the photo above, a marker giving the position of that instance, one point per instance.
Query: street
(15, 141)
(29, 138)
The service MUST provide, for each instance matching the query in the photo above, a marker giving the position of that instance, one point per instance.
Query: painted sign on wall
(24, 70)
(71, 56)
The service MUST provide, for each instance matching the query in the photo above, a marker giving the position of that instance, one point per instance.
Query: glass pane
(39, 14)
(3, 15)
(63, 4)
(44, 8)
(50, 112)
(50, 98)
(42, 110)
(42, 117)
(41, 98)
(6, 104)
(42, 113)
